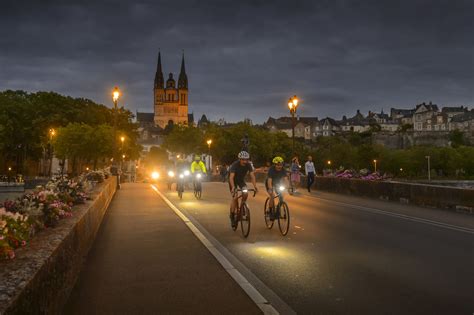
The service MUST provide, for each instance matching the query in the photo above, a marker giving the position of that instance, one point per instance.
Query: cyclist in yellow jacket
(198, 165)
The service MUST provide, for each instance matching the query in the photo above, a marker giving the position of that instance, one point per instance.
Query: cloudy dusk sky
(245, 58)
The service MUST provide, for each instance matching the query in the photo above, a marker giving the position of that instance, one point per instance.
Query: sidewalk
(146, 261)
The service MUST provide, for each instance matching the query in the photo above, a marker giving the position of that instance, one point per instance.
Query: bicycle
(197, 186)
(242, 213)
(281, 212)
(181, 182)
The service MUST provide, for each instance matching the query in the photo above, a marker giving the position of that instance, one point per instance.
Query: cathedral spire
(159, 80)
(183, 78)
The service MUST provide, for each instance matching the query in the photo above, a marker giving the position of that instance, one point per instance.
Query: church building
(170, 101)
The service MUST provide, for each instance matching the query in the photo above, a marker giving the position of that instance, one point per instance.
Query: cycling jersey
(198, 167)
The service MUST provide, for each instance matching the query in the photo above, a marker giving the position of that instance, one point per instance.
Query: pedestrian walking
(295, 172)
(309, 170)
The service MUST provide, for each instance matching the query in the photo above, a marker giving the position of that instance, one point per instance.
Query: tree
(457, 138)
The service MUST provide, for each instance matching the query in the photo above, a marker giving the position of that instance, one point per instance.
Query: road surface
(347, 255)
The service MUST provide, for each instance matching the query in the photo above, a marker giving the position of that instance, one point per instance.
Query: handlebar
(246, 190)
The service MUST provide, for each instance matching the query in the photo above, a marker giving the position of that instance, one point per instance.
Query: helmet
(197, 158)
(244, 155)
(277, 159)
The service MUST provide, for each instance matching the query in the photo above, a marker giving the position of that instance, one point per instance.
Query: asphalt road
(346, 255)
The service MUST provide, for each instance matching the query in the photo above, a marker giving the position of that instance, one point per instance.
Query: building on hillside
(327, 127)
(170, 102)
(454, 111)
(358, 123)
(403, 116)
(425, 116)
(463, 123)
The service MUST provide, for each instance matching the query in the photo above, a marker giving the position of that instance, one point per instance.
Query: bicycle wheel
(245, 219)
(283, 218)
(198, 191)
(180, 191)
(266, 215)
(236, 216)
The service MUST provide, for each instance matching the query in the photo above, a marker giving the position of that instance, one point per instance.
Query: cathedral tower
(170, 103)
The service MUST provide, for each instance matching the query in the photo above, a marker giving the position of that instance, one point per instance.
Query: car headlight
(155, 175)
(186, 173)
(198, 175)
(181, 176)
(282, 188)
(171, 174)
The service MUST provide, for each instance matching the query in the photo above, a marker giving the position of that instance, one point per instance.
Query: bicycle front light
(198, 176)
(245, 191)
(155, 175)
(181, 176)
(186, 173)
(282, 188)
(171, 174)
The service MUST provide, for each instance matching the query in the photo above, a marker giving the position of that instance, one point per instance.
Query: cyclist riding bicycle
(277, 176)
(198, 165)
(238, 170)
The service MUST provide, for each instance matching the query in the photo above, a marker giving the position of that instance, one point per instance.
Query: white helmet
(244, 155)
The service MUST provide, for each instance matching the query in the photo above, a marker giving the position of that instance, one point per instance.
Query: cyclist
(238, 170)
(197, 166)
(277, 176)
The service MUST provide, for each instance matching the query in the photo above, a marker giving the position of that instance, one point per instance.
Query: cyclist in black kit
(238, 170)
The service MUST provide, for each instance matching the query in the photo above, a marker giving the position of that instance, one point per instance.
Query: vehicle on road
(242, 213)
(280, 212)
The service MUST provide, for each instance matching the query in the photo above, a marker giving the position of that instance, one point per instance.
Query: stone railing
(418, 194)
(41, 277)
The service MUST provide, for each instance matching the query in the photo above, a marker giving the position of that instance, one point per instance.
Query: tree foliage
(25, 119)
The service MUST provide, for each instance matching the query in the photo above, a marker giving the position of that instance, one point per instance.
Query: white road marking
(251, 291)
(402, 216)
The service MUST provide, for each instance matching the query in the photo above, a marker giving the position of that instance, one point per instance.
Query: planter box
(41, 277)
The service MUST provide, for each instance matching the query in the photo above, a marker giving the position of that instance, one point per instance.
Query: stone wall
(41, 277)
(418, 194)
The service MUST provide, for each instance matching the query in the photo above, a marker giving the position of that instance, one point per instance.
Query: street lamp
(375, 166)
(209, 142)
(122, 139)
(52, 133)
(115, 97)
(429, 167)
(293, 105)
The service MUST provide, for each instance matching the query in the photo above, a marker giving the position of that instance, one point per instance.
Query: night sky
(245, 58)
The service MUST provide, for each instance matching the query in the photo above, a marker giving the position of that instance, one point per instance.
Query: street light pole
(52, 132)
(375, 166)
(429, 167)
(115, 97)
(292, 105)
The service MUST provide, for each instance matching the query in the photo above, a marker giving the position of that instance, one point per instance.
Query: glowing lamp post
(52, 133)
(292, 106)
(375, 166)
(115, 97)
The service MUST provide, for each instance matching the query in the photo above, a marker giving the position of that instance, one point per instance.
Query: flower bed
(22, 218)
(364, 174)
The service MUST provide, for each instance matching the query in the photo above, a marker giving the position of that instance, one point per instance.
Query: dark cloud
(245, 58)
